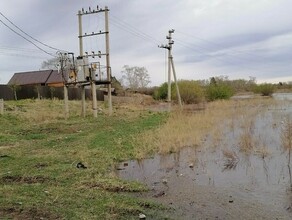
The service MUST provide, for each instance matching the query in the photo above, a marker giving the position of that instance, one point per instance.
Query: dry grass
(183, 130)
(45, 110)
(263, 151)
(231, 159)
(286, 136)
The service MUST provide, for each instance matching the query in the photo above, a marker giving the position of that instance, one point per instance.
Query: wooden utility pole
(171, 66)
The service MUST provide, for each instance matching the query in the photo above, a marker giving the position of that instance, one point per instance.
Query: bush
(264, 89)
(190, 91)
(160, 93)
(221, 91)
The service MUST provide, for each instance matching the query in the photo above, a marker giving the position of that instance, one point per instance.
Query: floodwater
(219, 180)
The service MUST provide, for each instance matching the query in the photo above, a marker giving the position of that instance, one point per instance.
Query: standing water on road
(243, 172)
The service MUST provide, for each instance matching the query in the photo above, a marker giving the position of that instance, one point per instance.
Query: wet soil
(220, 180)
(24, 179)
(24, 214)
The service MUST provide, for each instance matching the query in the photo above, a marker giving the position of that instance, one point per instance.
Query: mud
(32, 213)
(26, 179)
(219, 180)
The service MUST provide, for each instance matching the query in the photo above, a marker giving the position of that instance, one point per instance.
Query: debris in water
(164, 181)
(230, 199)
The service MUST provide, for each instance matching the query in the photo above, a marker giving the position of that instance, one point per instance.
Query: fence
(46, 92)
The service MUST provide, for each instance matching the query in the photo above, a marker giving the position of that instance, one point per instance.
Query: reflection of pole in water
(267, 171)
(177, 159)
(290, 178)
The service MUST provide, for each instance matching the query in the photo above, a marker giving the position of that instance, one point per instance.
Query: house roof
(36, 77)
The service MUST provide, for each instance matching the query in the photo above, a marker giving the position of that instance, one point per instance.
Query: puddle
(194, 178)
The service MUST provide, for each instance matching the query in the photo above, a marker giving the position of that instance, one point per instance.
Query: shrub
(160, 93)
(264, 89)
(190, 91)
(218, 91)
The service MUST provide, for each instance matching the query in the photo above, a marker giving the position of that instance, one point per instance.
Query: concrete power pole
(83, 108)
(170, 42)
(108, 69)
(171, 66)
(93, 80)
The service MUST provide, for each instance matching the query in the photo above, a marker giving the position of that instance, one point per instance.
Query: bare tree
(50, 63)
(135, 77)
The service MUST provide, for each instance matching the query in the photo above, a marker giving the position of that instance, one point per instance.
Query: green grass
(38, 157)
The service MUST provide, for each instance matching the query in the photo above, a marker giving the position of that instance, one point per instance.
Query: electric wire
(220, 46)
(132, 30)
(20, 55)
(19, 49)
(215, 57)
(129, 31)
(26, 38)
(46, 45)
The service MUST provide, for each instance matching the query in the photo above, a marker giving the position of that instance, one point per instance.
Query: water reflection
(289, 170)
(263, 171)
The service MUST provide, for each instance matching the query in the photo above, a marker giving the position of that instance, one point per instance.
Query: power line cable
(20, 55)
(19, 49)
(131, 29)
(25, 38)
(28, 34)
(219, 46)
(186, 45)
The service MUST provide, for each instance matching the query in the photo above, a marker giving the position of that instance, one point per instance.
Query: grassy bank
(39, 151)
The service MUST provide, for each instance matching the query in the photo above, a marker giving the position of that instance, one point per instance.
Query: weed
(286, 136)
(231, 159)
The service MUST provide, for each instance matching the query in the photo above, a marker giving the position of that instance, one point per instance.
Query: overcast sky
(234, 38)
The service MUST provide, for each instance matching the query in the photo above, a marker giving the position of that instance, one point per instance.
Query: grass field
(40, 150)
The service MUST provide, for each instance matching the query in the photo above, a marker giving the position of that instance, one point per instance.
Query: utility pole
(108, 69)
(66, 100)
(171, 66)
(62, 65)
(92, 78)
(1, 106)
(83, 103)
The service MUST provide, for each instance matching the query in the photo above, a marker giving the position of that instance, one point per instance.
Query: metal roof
(36, 77)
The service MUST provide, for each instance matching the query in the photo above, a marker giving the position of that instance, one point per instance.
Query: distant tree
(50, 63)
(213, 81)
(15, 88)
(135, 77)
